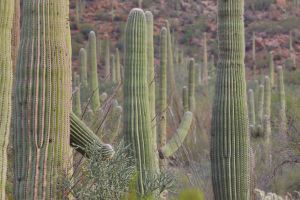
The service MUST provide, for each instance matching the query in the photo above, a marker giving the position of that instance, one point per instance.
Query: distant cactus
(6, 80)
(118, 67)
(42, 102)
(271, 69)
(151, 71)
(191, 90)
(253, 48)
(205, 62)
(107, 59)
(291, 41)
(113, 69)
(230, 160)
(137, 122)
(267, 121)
(199, 69)
(185, 99)
(83, 68)
(251, 108)
(282, 112)
(93, 74)
(76, 96)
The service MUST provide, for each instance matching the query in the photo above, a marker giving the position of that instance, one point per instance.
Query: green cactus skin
(191, 90)
(205, 62)
(137, 122)
(113, 69)
(118, 67)
(271, 69)
(229, 135)
(15, 32)
(151, 71)
(178, 138)
(251, 108)
(267, 121)
(76, 96)
(43, 101)
(83, 68)
(253, 48)
(185, 99)
(81, 137)
(93, 75)
(107, 59)
(163, 105)
(282, 112)
(6, 70)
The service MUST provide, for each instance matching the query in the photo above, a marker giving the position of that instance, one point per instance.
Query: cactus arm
(93, 75)
(6, 70)
(137, 122)
(229, 134)
(178, 138)
(81, 137)
(191, 90)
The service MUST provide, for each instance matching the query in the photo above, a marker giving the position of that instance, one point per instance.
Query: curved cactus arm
(81, 136)
(177, 140)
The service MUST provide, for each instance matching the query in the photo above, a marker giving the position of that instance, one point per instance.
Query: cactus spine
(76, 96)
(267, 120)
(282, 112)
(271, 69)
(137, 122)
(230, 138)
(205, 63)
(151, 71)
(43, 101)
(191, 91)
(6, 70)
(93, 75)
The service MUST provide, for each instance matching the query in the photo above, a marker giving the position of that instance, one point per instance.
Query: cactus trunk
(230, 138)
(137, 122)
(43, 101)
(6, 70)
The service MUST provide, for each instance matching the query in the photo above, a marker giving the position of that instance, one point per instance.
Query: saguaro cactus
(282, 112)
(93, 74)
(251, 108)
(76, 95)
(230, 137)
(118, 67)
(113, 69)
(185, 99)
(6, 69)
(253, 48)
(137, 122)
(192, 100)
(271, 68)
(43, 101)
(151, 71)
(205, 62)
(83, 68)
(267, 121)
(107, 59)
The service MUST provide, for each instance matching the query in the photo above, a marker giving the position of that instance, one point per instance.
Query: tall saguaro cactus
(151, 71)
(192, 84)
(6, 68)
(43, 101)
(267, 121)
(230, 137)
(271, 68)
(282, 112)
(93, 75)
(137, 122)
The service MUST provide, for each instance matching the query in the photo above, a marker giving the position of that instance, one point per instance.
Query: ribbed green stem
(229, 134)
(267, 121)
(205, 64)
(192, 100)
(76, 96)
(185, 99)
(163, 105)
(151, 71)
(251, 108)
(82, 137)
(178, 138)
(113, 69)
(137, 122)
(271, 69)
(107, 59)
(282, 112)
(6, 70)
(83, 68)
(118, 67)
(43, 101)
(93, 74)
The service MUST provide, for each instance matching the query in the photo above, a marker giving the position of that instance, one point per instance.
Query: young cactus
(42, 102)
(229, 134)
(6, 70)
(191, 91)
(137, 121)
(93, 74)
